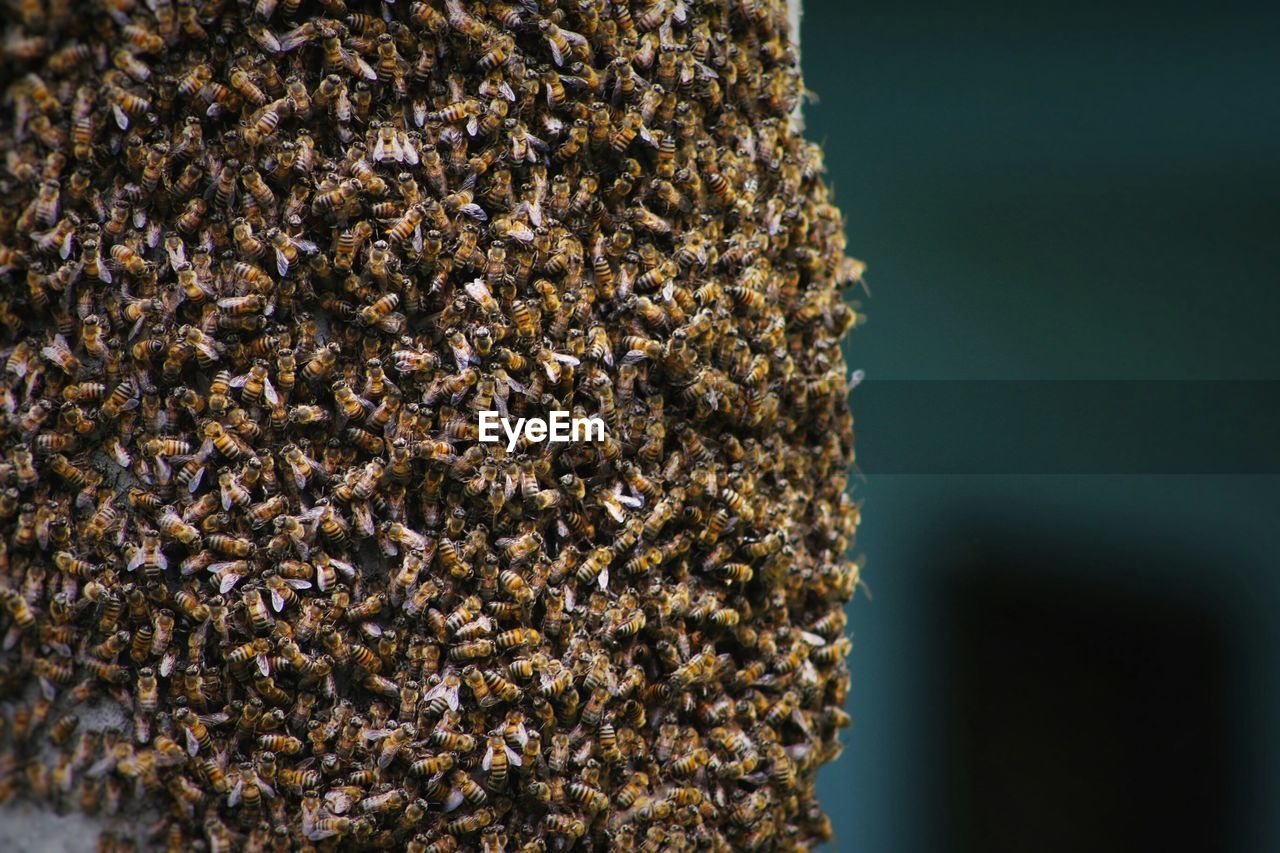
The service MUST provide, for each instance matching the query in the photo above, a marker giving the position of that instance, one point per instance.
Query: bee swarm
(263, 263)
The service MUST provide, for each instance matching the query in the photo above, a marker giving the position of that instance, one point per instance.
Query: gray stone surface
(28, 828)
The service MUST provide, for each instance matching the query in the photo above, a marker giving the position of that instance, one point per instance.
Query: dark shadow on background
(1082, 714)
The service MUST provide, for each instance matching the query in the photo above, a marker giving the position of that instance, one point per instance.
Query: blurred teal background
(1084, 191)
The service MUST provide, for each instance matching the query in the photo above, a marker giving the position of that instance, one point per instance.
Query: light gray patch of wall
(30, 827)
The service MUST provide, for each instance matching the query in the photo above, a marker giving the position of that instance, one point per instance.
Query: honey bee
(321, 363)
(517, 638)
(393, 742)
(280, 744)
(287, 249)
(558, 824)
(256, 609)
(473, 650)
(509, 198)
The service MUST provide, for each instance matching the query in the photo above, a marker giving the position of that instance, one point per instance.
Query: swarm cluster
(262, 265)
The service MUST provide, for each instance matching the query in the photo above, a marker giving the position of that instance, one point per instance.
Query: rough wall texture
(264, 264)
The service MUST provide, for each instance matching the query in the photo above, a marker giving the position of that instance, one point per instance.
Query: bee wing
(475, 211)
(444, 689)
(310, 515)
(603, 579)
(227, 582)
(102, 766)
(193, 745)
(177, 255)
(538, 144)
(478, 290)
(282, 263)
(487, 761)
(298, 583)
(516, 386)
(269, 393)
(344, 567)
(277, 603)
(264, 665)
(365, 70)
(296, 37)
(233, 798)
(266, 789)
(393, 323)
(194, 485)
(266, 39)
(138, 558)
(339, 801)
(305, 245)
(473, 126)
(454, 800)
(293, 39)
(513, 756)
(555, 52)
(121, 117)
